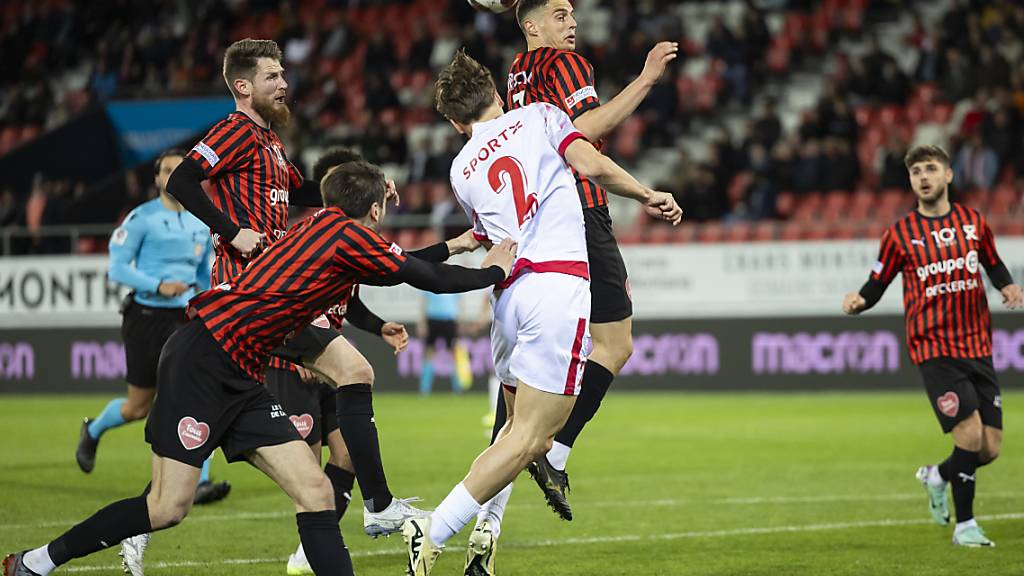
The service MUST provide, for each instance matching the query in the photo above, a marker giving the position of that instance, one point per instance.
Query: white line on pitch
(582, 504)
(591, 540)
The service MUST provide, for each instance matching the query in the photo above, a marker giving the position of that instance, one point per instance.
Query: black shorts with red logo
(310, 406)
(958, 386)
(609, 284)
(206, 401)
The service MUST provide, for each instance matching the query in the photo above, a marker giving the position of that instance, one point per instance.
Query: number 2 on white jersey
(505, 172)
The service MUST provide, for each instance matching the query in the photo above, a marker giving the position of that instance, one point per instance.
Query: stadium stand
(781, 120)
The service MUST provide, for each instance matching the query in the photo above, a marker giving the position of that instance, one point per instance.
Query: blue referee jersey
(154, 244)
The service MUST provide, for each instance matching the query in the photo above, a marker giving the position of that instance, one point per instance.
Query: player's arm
(442, 278)
(582, 156)
(889, 264)
(362, 317)
(125, 244)
(997, 271)
(598, 122)
(186, 185)
(441, 251)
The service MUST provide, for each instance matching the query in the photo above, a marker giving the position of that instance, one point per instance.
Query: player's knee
(168, 514)
(133, 412)
(356, 373)
(315, 493)
(988, 454)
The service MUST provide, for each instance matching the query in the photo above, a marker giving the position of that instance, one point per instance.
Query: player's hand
(395, 335)
(853, 303)
(391, 193)
(662, 205)
(657, 59)
(248, 242)
(307, 375)
(1013, 298)
(503, 255)
(172, 288)
(464, 242)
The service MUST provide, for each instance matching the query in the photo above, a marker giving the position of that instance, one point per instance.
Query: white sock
(934, 478)
(452, 515)
(558, 455)
(39, 561)
(965, 525)
(494, 510)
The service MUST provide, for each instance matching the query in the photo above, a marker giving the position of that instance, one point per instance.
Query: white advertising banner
(676, 281)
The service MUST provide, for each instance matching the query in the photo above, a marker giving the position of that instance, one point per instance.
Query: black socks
(321, 540)
(596, 380)
(342, 480)
(106, 528)
(959, 470)
(355, 420)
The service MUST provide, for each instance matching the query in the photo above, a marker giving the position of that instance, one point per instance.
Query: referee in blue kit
(163, 253)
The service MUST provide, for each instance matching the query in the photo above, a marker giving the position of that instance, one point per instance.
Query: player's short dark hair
(331, 158)
(924, 153)
(354, 187)
(464, 89)
(167, 154)
(525, 7)
(241, 57)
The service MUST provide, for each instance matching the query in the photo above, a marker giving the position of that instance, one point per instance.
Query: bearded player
(550, 71)
(938, 248)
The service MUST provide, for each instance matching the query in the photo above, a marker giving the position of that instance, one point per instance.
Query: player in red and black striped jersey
(551, 71)
(940, 249)
(210, 371)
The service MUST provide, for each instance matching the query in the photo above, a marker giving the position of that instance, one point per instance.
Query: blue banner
(146, 128)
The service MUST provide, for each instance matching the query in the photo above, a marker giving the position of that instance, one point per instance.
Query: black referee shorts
(206, 401)
(444, 330)
(957, 387)
(310, 406)
(144, 331)
(609, 284)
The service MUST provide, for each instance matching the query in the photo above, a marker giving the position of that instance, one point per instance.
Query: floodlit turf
(723, 484)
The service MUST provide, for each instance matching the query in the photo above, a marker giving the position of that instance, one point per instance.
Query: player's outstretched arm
(186, 185)
(450, 279)
(601, 121)
(590, 163)
(441, 251)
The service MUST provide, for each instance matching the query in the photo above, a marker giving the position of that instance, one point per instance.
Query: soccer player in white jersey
(514, 184)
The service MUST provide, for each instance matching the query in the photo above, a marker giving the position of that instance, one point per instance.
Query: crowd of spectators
(360, 74)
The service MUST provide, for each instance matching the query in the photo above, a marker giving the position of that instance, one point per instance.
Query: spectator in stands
(840, 168)
(993, 70)
(976, 165)
(10, 210)
(703, 197)
(807, 167)
(768, 126)
(958, 76)
(1002, 133)
(894, 86)
(894, 172)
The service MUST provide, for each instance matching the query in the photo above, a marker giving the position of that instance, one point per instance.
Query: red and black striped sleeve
(890, 262)
(572, 78)
(997, 271)
(365, 253)
(225, 148)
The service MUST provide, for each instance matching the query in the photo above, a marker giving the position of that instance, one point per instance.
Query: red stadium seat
(765, 231)
(785, 203)
(861, 204)
(685, 233)
(738, 232)
(808, 207)
(659, 234)
(710, 232)
(792, 231)
(835, 205)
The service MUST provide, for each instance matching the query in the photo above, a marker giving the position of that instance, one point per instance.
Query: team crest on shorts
(948, 403)
(192, 433)
(304, 424)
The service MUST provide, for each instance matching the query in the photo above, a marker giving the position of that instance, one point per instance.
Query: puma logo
(965, 477)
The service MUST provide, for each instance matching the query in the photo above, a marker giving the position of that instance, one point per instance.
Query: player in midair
(938, 248)
(211, 369)
(551, 71)
(163, 254)
(512, 180)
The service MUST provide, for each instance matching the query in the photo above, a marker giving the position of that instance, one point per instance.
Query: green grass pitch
(724, 484)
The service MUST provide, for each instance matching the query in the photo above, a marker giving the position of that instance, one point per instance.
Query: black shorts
(206, 401)
(609, 284)
(145, 330)
(441, 330)
(306, 344)
(958, 386)
(310, 405)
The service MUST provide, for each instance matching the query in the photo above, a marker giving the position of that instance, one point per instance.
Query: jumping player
(550, 71)
(938, 248)
(253, 184)
(211, 369)
(512, 180)
(163, 254)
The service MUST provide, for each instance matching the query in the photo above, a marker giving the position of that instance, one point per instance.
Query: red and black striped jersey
(291, 283)
(563, 79)
(250, 178)
(336, 313)
(944, 301)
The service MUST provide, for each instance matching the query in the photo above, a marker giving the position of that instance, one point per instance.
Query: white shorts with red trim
(541, 332)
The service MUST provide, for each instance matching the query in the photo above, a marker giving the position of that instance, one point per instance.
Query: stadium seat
(710, 232)
(808, 207)
(785, 203)
(740, 231)
(765, 231)
(835, 205)
(792, 231)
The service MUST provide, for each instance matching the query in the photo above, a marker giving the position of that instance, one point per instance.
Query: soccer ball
(496, 6)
